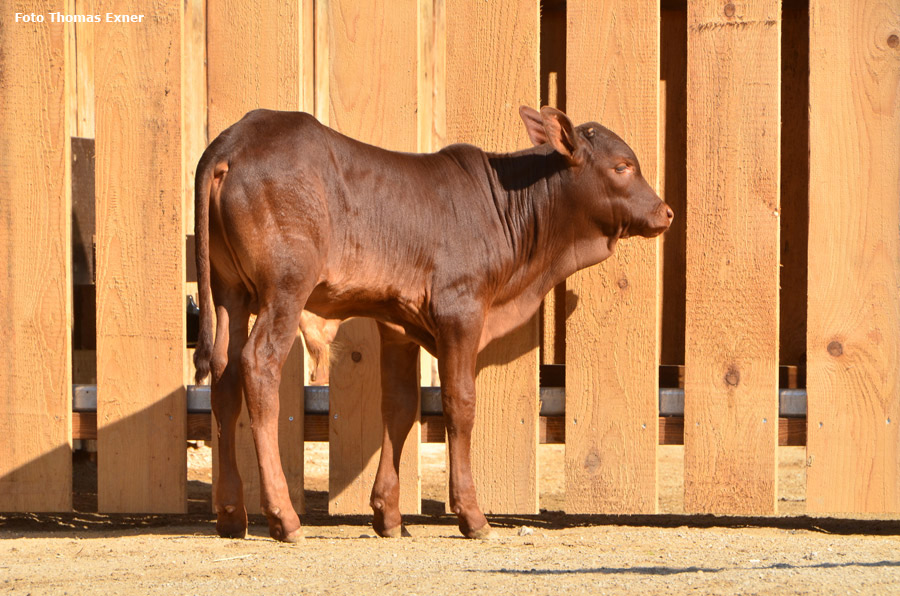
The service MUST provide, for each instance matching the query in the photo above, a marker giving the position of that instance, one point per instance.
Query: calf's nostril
(669, 213)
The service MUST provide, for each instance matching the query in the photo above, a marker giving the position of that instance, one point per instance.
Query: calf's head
(605, 182)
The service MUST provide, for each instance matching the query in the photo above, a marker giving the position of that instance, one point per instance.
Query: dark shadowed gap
(794, 184)
(553, 93)
(673, 177)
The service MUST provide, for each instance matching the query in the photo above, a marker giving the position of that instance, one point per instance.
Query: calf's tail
(202, 186)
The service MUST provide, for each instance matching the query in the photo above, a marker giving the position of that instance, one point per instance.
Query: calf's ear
(534, 125)
(561, 134)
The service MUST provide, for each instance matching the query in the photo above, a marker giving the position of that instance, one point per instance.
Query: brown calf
(448, 251)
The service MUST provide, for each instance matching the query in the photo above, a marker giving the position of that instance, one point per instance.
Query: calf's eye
(621, 168)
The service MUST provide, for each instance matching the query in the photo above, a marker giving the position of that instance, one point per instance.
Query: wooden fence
(772, 128)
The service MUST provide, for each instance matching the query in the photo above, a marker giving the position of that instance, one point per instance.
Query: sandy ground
(552, 553)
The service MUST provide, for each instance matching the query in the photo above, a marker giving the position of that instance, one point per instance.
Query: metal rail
(792, 402)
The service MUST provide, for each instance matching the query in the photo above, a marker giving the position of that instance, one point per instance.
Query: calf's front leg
(457, 354)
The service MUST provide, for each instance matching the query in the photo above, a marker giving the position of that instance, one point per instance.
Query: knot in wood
(893, 40)
(732, 377)
(835, 348)
(622, 283)
(356, 356)
(729, 10)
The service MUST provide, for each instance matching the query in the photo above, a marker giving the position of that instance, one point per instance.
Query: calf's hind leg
(231, 335)
(399, 400)
(261, 362)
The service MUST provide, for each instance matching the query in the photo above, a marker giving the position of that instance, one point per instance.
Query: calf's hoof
(231, 522)
(290, 532)
(294, 537)
(387, 525)
(395, 532)
(486, 532)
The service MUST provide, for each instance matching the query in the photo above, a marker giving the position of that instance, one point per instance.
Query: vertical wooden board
(612, 337)
(354, 421)
(81, 70)
(254, 54)
(254, 60)
(373, 71)
(141, 402)
(194, 97)
(492, 69)
(322, 73)
(854, 257)
(84, 68)
(35, 293)
(672, 180)
(439, 80)
(731, 335)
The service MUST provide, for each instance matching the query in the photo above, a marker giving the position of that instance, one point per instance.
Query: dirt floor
(551, 553)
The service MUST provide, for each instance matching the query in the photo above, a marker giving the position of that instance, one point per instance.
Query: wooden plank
(322, 73)
(484, 39)
(612, 338)
(35, 249)
(854, 257)
(81, 69)
(71, 53)
(672, 180)
(354, 423)
(195, 101)
(254, 60)
(374, 77)
(141, 456)
(731, 360)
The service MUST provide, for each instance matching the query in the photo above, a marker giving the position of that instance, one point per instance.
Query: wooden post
(195, 104)
(854, 257)
(612, 337)
(255, 60)
(484, 39)
(373, 82)
(35, 249)
(354, 419)
(731, 359)
(141, 409)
